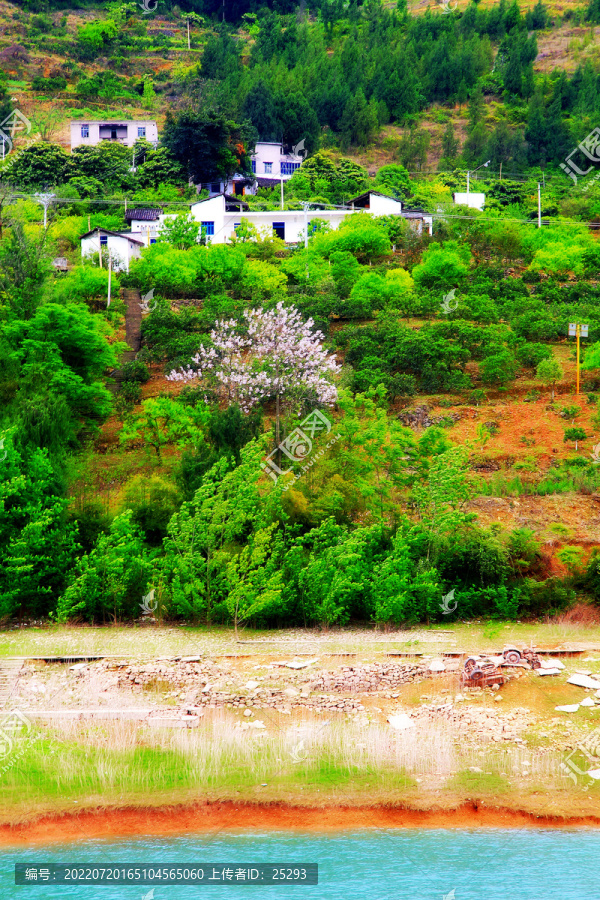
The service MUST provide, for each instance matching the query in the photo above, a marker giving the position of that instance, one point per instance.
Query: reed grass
(116, 764)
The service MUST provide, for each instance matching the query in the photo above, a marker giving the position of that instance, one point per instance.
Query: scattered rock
(587, 702)
(569, 708)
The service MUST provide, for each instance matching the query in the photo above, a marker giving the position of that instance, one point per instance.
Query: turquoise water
(369, 865)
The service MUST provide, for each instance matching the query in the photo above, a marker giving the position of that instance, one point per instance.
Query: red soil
(230, 816)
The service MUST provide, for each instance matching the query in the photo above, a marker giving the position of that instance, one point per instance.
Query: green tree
(164, 421)
(208, 145)
(394, 180)
(181, 231)
(450, 144)
(498, 368)
(574, 434)
(549, 371)
(24, 268)
(109, 582)
(444, 266)
(37, 544)
(255, 579)
(38, 166)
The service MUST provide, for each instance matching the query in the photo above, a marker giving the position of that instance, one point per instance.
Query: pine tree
(450, 144)
(476, 107)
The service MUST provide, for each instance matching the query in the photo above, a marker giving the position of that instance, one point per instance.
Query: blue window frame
(268, 168)
(85, 131)
(254, 166)
(152, 240)
(279, 229)
(236, 225)
(288, 168)
(104, 240)
(208, 228)
(141, 131)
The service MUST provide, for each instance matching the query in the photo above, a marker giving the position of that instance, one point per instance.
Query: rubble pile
(374, 677)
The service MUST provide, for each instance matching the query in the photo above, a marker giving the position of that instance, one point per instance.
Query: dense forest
(122, 481)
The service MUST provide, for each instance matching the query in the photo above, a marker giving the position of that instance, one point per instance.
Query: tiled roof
(142, 215)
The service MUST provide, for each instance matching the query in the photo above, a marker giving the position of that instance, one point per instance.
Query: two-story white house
(272, 163)
(89, 133)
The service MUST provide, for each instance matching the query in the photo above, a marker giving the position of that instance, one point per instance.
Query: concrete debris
(584, 681)
(550, 663)
(437, 665)
(295, 664)
(543, 671)
(587, 702)
(401, 722)
(569, 708)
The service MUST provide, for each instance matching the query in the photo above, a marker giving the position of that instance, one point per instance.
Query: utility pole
(188, 31)
(109, 276)
(540, 210)
(282, 193)
(578, 331)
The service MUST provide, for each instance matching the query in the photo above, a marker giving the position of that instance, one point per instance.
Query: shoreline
(219, 816)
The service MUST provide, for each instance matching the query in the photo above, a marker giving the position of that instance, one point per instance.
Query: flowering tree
(273, 353)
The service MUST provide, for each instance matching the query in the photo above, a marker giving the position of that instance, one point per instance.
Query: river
(499, 864)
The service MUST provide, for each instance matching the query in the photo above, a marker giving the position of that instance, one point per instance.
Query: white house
(219, 217)
(272, 163)
(122, 247)
(89, 134)
(470, 199)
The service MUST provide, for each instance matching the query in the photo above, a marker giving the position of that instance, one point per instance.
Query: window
(85, 131)
(215, 188)
(279, 229)
(152, 240)
(104, 240)
(208, 228)
(288, 168)
(141, 131)
(268, 168)
(254, 166)
(236, 225)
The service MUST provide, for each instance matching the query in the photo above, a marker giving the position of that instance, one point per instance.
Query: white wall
(121, 249)
(472, 200)
(128, 140)
(384, 206)
(266, 152)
